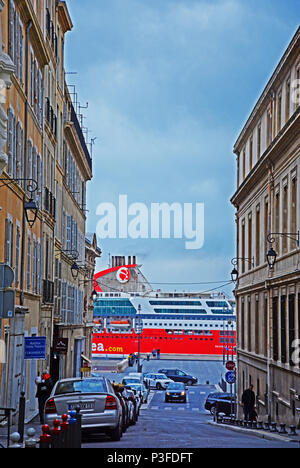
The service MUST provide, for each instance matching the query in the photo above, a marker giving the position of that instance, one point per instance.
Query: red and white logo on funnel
(123, 275)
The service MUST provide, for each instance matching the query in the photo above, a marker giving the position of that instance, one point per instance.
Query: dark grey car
(99, 406)
(176, 391)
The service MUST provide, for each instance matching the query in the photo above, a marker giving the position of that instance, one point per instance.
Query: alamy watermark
(158, 221)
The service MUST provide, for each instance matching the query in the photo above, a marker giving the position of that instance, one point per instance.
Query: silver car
(99, 406)
(141, 390)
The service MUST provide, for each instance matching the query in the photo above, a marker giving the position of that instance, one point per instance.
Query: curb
(261, 434)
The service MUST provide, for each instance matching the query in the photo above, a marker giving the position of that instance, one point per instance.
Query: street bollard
(65, 431)
(273, 427)
(282, 429)
(30, 442)
(72, 429)
(259, 425)
(21, 418)
(293, 430)
(45, 438)
(267, 426)
(78, 418)
(15, 438)
(55, 434)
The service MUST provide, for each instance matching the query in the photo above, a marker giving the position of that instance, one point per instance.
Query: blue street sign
(35, 347)
(230, 377)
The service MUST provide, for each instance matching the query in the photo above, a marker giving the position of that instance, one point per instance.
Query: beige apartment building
(41, 141)
(267, 202)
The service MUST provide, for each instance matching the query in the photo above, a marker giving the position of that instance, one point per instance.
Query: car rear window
(81, 386)
(176, 386)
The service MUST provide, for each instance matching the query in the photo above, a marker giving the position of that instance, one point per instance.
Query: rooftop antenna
(80, 114)
(92, 142)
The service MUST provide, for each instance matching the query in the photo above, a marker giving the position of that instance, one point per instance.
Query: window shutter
(21, 53)
(11, 30)
(29, 160)
(7, 242)
(14, 148)
(16, 43)
(17, 260)
(10, 142)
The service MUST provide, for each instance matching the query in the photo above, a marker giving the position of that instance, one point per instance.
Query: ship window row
(217, 304)
(174, 303)
(183, 325)
(180, 311)
(113, 303)
(108, 311)
(182, 317)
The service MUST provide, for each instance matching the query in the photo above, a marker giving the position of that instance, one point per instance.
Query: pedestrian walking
(44, 386)
(248, 403)
(154, 353)
(158, 353)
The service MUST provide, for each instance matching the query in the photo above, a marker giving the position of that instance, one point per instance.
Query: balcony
(78, 129)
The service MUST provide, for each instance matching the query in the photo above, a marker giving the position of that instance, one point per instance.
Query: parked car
(142, 390)
(135, 402)
(223, 400)
(176, 391)
(159, 381)
(130, 380)
(119, 390)
(129, 397)
(178, 375)
(100, 408)
(138, 375)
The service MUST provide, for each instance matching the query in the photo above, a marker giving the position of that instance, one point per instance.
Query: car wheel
(116, 434)
(166, 400)
(213, 410)
(189, 383)
(158, 386)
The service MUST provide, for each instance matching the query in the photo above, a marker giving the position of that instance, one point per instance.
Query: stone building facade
(267, 202)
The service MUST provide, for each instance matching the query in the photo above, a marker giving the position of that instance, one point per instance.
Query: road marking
(195, 409)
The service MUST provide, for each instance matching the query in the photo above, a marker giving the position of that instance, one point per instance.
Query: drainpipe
(269, 289)
(28, 27)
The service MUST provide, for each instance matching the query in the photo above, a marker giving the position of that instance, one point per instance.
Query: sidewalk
(258, 433)
(35, 424)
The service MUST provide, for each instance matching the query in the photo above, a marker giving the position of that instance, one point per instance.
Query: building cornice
(36, 34)
(64, 17)
(277, 149)
(291, 52)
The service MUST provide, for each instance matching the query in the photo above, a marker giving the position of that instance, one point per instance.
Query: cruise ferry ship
(179, 323)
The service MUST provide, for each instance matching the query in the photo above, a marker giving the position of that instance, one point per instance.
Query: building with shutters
(267, 203)
(45, 144)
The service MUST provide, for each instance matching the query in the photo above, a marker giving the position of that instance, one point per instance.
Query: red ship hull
(168, 343)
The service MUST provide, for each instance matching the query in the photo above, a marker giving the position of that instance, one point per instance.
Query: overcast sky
(170, 84)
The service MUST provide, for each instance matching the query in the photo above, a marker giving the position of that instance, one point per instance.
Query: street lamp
(31, 211)
(272, 254)
(235, 261)
(138, 331)
(75, 270)
(271, 258)
(94, 295)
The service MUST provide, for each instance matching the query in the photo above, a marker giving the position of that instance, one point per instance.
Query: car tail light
(110, 403)
(50, 406)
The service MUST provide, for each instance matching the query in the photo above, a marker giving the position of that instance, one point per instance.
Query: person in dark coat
(43, 391)
(248, 403)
